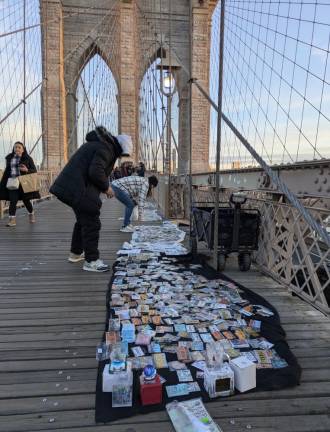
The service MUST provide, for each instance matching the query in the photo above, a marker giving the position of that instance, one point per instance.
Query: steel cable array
(22, 79)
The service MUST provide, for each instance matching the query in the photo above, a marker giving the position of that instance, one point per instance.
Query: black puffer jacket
(28, 162)
(87, 174)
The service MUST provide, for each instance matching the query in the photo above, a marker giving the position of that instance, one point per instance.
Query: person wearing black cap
(79, 185)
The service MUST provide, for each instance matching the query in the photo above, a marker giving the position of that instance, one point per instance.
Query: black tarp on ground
(267, 379)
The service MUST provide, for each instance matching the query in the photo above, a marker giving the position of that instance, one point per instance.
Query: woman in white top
(132, 191)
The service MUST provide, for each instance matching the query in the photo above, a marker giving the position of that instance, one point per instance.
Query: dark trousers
(85, 236)
(14, 197)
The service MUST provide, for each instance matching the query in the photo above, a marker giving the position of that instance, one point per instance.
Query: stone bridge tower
(70, 40)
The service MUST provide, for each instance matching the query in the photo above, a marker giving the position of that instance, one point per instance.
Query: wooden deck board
(52, 316)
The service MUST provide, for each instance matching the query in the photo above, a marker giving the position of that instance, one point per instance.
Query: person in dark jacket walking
(126, 169)
(116, 174)
(79, 185)
(141, 169)
(18, 163)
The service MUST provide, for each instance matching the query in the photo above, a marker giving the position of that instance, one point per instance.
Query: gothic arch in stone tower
(71, 29)
(73, 70)
(181, 79)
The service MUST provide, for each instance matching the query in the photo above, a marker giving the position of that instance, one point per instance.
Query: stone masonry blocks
(67, 43)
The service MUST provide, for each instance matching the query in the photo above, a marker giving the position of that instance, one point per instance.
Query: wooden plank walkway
(52, 316)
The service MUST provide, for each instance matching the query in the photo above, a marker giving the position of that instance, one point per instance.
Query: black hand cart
(238, 230)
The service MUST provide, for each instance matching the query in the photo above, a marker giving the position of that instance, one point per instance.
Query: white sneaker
(96, 266)
(127, 229)
(11, 222)
(74, 258)
(120, 218)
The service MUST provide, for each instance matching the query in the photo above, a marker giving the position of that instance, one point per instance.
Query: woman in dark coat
(18, 163)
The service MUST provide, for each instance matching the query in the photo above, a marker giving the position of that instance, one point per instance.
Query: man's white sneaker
(74, 258)
(127, 229)
(96, 266)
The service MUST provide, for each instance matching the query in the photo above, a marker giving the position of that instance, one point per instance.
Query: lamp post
(219, 125)
(168, 89)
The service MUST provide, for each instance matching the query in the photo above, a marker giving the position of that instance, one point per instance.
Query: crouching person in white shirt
(132, 191)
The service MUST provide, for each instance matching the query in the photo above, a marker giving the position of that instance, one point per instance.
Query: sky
(151, 128)
(276, 80)
(98, 80)
(12, 73)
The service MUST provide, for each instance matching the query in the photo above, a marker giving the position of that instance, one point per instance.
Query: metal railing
(292, 253)
(289, 250)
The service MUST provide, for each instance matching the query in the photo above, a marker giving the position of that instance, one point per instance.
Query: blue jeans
(129, 204)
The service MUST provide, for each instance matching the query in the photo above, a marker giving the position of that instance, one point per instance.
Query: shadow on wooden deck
(52, 316)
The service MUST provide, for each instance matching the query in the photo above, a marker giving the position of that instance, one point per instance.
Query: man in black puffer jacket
(79, 185)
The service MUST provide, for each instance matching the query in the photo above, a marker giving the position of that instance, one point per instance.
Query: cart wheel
(221, 262)
(193, 246)
(244, 261)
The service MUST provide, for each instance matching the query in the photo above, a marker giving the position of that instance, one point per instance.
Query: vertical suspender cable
(190, 121)
(45, 88)
(169, 109)
(60, 138)
(161, 71)
(24, 73)
(219, 124)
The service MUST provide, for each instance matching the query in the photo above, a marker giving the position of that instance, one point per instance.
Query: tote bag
(29, 182)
